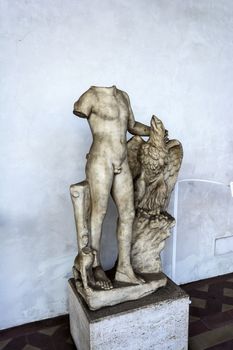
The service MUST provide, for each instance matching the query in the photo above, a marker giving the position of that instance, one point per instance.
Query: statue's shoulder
(122, 92)
(88, 97)
(124, 95)
(83, 106)
(90, 92)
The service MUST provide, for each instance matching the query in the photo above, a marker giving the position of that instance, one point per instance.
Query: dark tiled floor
(211, 313)
(51, 334)
(210, 328)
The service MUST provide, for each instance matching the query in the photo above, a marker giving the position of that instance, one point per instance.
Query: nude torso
(108, 122)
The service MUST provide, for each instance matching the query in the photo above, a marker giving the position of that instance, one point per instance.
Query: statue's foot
(101, 280)
(128, 276)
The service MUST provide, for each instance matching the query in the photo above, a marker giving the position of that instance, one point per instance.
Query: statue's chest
(111, 108)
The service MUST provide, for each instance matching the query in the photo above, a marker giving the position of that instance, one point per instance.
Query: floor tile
(214, 329)
(30, 347)
(40, 341)
(49, 331)
(226, 307)
(227, 292)
(197, 328)
(193, 319)
(211, 338)
(218, 320)
(203, 288)
(223, 346)
(4, 343)
(197, 302)
(16, 343)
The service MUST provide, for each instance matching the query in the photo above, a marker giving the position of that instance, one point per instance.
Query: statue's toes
(103, 285)
(109, 285)
(106, 285)
(99, 284)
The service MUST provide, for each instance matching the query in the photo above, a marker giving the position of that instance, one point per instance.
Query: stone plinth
(158, 321)
(123, 292)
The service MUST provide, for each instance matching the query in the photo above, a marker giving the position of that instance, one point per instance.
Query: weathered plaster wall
(174, 58)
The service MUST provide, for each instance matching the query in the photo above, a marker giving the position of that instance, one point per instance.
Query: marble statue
(140, 176)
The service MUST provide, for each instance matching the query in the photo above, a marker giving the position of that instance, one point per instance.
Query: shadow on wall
(201, 244)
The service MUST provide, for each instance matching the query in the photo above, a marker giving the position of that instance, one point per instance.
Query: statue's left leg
(123, 195)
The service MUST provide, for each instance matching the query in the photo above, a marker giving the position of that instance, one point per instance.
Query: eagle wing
(133, 148)
(175, 156)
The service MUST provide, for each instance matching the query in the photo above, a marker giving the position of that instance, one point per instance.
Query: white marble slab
(157, 322)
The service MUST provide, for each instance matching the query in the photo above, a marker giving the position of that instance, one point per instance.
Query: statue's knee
(74, 191)
(99, 213)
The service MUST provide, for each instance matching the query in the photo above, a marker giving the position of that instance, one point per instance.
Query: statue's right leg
(99, 176)
(122, 192)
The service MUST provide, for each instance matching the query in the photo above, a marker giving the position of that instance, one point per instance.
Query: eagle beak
(157, 125)
(154, 122)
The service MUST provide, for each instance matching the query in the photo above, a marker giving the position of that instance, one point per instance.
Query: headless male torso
(110, 115)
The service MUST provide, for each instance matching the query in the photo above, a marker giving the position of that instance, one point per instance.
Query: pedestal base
(158, 322)
(123, 292)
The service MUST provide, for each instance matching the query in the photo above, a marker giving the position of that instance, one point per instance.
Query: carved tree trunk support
(149, 235)
(80, 195)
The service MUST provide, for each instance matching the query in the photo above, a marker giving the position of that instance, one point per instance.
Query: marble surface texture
(158, 321)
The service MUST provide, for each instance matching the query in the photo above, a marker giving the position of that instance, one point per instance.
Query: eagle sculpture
(154, 165)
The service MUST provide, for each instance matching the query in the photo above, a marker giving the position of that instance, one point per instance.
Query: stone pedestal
(158, 322)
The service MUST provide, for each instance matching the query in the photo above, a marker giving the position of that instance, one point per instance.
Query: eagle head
(157, 132)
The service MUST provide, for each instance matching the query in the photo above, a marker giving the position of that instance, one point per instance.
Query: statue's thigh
(122, 191)
(99, 176)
